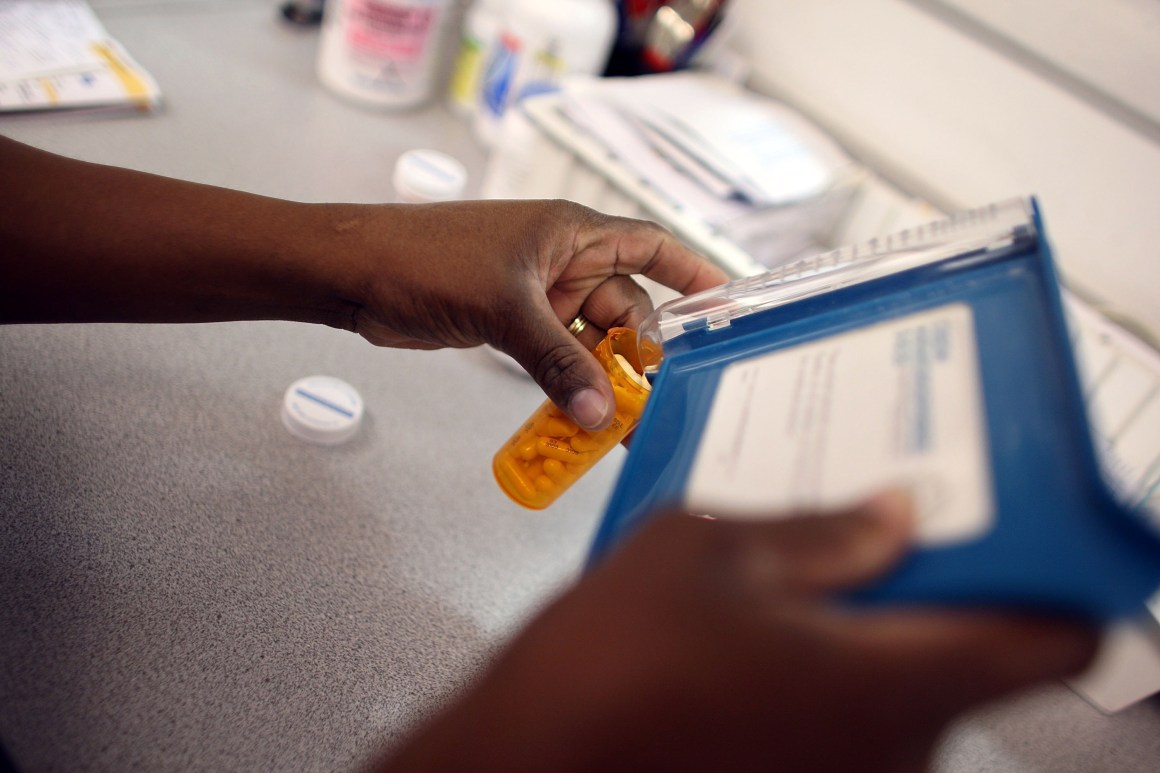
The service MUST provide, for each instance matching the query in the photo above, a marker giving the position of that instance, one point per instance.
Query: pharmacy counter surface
(188, 586)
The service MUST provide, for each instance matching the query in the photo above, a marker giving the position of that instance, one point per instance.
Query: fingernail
(894, 506)
(588, 407)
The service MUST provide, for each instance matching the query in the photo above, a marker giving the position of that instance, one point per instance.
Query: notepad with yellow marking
(58, 56)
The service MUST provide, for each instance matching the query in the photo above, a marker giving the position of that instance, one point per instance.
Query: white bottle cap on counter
(423, 175)
(322, 409)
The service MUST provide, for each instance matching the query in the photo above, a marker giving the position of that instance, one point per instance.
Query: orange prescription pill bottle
(549, 452)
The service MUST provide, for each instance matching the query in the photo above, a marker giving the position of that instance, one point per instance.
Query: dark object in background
(305, 12)
(656, 37)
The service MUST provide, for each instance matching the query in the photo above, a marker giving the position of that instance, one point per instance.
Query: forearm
(82, 242)
(85, 242)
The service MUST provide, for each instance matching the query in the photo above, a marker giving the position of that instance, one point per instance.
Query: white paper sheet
(56, 54)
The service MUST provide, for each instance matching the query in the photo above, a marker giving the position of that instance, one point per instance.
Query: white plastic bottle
(482, 25)
(383, 53)
(542, 40)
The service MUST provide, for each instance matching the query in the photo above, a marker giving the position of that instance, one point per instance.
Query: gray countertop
(189, 587)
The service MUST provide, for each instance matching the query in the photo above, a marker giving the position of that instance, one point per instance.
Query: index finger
(657, 254)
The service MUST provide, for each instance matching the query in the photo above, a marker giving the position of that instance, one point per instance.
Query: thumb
(568, 373)
(820, 553)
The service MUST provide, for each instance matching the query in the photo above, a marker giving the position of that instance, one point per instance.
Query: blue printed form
(937, 361)
(825, 424)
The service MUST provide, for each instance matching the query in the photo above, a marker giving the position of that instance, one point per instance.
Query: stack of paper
(55, 54)
(1121, 378)
(746, 165)
(1121, 381)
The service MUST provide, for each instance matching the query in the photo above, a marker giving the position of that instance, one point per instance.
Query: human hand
(513, 274)
(719, 645)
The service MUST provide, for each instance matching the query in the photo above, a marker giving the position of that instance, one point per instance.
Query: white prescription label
(824, 424)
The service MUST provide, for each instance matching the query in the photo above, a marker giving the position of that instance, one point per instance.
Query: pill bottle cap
(322, 409)
(423, 175)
